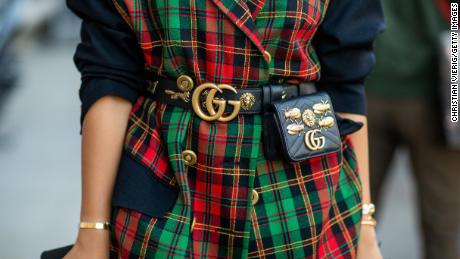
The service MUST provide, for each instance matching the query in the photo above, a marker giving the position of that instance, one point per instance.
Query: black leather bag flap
(307, 126)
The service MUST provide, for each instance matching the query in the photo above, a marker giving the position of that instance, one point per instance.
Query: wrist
(367, 235)
(368, 210)
(93, 243)
(91, 237)
(90, 231)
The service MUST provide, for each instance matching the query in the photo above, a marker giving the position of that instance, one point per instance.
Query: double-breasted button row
(185, 83)
(255, 197)
(189, 157)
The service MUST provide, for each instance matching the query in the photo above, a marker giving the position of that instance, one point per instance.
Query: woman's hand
(368, 247)
(91, 243)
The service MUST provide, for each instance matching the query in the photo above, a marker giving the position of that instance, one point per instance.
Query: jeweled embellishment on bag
(316, 115)
(326, 122)
(295, 128)
(307, 126)
(292, 114)
(320, 108)
(309, 118)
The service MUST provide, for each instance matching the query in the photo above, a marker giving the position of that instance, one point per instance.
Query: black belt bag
(297, 125)
(306, 127)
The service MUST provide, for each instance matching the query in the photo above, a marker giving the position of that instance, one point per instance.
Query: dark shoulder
(100, 11)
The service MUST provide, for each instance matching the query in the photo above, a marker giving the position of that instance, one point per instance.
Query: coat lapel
(255, 6)
(242, 16)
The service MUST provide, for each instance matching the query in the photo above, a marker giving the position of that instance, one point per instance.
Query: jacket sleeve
(108, 57)
(344, 45)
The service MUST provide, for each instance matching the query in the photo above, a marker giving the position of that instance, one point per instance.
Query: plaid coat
(233, 203)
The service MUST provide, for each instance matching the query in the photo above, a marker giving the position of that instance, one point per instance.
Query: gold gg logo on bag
(307, 127)
(316, 118)
(313, 142)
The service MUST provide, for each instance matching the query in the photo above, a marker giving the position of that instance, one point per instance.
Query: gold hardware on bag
(313, 138)
(247, 101)
(309, 118)
(293, 113)
(283, 94)
(313, 142)
(326, 122)
(212, 102)
(294, 128)
(322, 107)
(302, 132)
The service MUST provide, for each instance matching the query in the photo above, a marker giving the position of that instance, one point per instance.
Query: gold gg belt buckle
(209, 90)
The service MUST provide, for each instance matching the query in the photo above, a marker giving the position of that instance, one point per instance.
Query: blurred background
(40, 140)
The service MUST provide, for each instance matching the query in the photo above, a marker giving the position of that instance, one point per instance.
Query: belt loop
(266, 96)
(306, 88)
(276, 92)
(269, 127)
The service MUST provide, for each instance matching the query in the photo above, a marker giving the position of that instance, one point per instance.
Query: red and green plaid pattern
(223, 41)
(305, 210)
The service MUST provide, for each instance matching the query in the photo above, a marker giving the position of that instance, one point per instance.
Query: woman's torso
(242, 43)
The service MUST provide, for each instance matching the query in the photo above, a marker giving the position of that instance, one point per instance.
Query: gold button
(193, 224)
(184, 83)
(189, 157)
(255, 197)
(268, 56)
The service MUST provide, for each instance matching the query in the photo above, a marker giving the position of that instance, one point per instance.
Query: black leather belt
(220, 102)
(287, 119)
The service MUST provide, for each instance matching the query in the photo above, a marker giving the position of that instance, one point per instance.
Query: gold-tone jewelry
(103, 225)
(370, 222)
(368, 212)
(368, 209)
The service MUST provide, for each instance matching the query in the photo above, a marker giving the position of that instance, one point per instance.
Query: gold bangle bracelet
(370, 222)
(104, 225)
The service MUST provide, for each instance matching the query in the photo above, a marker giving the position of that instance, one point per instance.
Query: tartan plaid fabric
(305, 210)
(223, 41)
